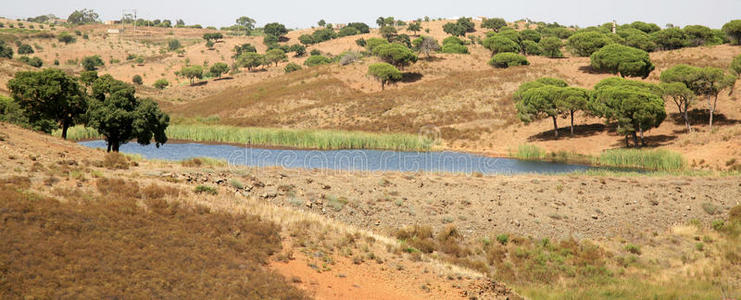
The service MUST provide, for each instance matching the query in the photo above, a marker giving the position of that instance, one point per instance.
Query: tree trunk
(572, 122)
(116, 146)
(687, 121)
(711, 109)
(643, 143)
(627, 141)
(65, 126)
(555, 126)
(635, 139)
(109, 147)
(383, 85)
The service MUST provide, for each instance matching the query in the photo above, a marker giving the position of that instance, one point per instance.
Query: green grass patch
(660, 159)
(530, 152)
(297, 138)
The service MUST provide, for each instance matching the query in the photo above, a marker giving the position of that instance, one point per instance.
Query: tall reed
(298, 138)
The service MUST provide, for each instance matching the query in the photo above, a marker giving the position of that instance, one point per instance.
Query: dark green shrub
(586, 43)
(531, 48)
(316, 60)
(622, 60)
(292, 67)
(508, 59)
(161, 84)
(137, 79)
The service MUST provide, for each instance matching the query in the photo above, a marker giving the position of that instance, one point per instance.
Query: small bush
(161, 84)
(292, 67)
(507, 59)
(204, 189)
(503, 239)
(236, 184)
(115, 160)
(137, 79)
(316, 60)
(633, 249)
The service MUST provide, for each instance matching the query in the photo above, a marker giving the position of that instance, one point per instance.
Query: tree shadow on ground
(408, 77)
(702, 116)
(583, 130)
(224, 78)
(589, 70)
(432, 58)
(200, 83)
(652, 141)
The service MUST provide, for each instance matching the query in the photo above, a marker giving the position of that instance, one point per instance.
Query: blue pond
(362, 160)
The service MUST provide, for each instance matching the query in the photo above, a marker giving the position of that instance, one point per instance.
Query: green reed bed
(298, 138)
(660, 159)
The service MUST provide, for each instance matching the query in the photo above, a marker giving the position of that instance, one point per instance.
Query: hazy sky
(301, 14)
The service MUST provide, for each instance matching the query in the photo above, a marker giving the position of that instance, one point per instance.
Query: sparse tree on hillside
(500, 44)
(571, 100)
(117, 114)
(736, 65)
(454, 29)
(529, 34)
(218, 69)
(493, 23)
(315, 60)
(681, 96)
(173, 44)
(137, 79)
(388, 32)
(291, 67)
(244, 48)
(508, 59)
(251, 60)
(414, 27)
(708, 82)
(299, 49)
(634, 105)
(247, 23)
(25, 49)
(84, 16)
(531, 48)
(395, 54)
(161, 84)
(670, 38)
(306, 39)
(622, 60)
(5, 50)
(275, 56)
(732, 29)
(192, 73)
(539, 103)
(49, 94)
(275, 29)
(361, 27)
(321, 23)
(214, 36)
(586, 43)
(380, 21)
(66, 38)
(426, 45)
(91, 63)
(645, 27)
(385, 73)
(347, 31)
(698, 35)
